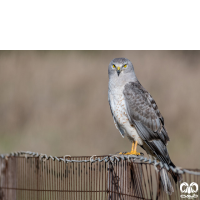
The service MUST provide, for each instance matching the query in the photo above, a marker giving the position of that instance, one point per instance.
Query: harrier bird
(136, 116)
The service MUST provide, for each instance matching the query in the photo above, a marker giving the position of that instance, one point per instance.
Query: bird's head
(121, 68)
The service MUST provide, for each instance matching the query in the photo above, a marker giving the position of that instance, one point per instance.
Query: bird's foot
(130, 153)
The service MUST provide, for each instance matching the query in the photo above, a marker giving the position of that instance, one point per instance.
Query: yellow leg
(132, 146)
(133, 150)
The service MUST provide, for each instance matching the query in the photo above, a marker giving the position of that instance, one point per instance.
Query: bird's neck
(116, 85)
(120, 81)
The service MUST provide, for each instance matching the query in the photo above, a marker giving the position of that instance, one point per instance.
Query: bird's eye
(113, 66)
(125, 66)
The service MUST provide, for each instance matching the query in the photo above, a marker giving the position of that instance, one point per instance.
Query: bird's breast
(120, 110)
(121, 117)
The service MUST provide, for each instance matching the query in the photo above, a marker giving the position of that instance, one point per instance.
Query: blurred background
(55, 102)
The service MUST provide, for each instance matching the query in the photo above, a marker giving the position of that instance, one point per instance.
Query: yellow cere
(125, 66)
(118, 68)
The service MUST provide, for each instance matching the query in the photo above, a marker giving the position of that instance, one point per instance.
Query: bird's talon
(132, 153)
(122, 153)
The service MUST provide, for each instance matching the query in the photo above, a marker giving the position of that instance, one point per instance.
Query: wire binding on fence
(106, 159)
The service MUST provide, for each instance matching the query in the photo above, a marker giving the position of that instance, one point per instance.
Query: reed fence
(28, 175)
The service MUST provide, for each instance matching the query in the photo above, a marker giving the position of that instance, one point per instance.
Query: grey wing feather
(156, 145)
(115, 121)
(143, 113)
(142, 108)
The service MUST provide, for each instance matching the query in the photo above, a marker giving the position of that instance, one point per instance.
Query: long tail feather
(167, 186)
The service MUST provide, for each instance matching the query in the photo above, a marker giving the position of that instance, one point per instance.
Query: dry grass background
(55, 102)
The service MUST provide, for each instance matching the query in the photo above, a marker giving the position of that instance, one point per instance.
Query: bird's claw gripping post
(133, 150)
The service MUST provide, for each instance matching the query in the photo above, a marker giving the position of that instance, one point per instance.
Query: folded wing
(143, 113)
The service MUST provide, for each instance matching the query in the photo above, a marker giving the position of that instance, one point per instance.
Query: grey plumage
(136, 115)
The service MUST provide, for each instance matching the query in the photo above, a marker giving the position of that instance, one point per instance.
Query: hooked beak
(118, 70)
